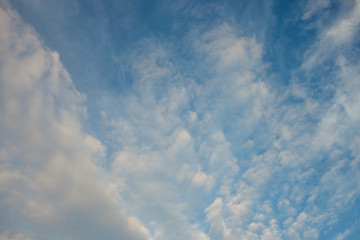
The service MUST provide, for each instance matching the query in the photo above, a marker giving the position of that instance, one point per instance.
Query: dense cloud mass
(50, 183)
(215, 134)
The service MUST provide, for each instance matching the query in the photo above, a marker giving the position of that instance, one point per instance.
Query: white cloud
(334, 38)
(228, 50)
(18, 236)
(214, 215)
(346, 28)
(343, 235)
(346, 94)
(303, 133)
(272, 232)
(201, 179)
(155, 165)
(171, 155)
(49, 176)
(192, 150)
(314, 7)
(323, 131)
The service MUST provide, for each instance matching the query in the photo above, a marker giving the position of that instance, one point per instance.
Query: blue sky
(179, 120)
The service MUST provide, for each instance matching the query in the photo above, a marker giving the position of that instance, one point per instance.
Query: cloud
(215, 217)
(182, 141)
(207, 146)
(229, 50)
(314, 7)
(336, 37)
(18, 236)
(171, 154)
(155, 164)
(346, 28)
(342, 236)
(49, 178)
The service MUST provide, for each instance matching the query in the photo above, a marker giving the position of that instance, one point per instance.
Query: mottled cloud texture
(211, 145)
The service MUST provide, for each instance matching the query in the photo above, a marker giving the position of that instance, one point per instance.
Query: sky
(181, 120)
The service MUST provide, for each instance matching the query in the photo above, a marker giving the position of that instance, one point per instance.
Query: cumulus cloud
(49, 178)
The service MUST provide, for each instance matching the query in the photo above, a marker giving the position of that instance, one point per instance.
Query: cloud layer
(206, 143)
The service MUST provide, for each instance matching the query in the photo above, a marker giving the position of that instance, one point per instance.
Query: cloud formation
(206, 143)
(50, 183)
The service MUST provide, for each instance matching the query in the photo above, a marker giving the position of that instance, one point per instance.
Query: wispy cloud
(342, 236)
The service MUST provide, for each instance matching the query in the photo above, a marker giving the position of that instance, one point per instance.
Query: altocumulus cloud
(206, 144)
